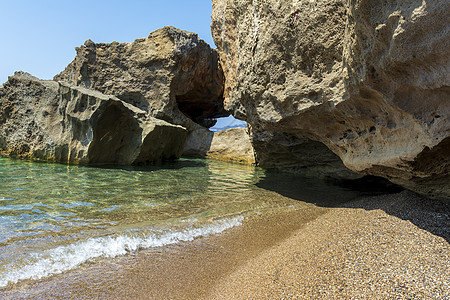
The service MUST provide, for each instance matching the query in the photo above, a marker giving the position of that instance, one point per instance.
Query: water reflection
(44, 206)
(71, 202)
(57, 196)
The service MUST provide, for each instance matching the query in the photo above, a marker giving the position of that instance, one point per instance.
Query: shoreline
(382, 246)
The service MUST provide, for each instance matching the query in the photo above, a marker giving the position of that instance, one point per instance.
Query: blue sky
(39, 37)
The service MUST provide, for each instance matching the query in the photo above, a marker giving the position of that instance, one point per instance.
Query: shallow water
(55, 217)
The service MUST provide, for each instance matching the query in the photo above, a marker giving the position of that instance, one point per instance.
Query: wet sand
(390, 246)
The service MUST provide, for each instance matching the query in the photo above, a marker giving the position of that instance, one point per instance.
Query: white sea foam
(64, 258)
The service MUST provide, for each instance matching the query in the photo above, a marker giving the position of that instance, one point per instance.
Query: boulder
(171, 75)
(232, 145)
(368, 79)
(198, 142)
(55, 121)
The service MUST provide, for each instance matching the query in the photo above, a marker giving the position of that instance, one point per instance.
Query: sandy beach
(392, 246)
(356, 252)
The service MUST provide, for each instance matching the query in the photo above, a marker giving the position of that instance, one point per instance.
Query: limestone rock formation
(198, 142)
(232, 145)
(369, 79)
(287, 152)
(51, 121)
(172, 75)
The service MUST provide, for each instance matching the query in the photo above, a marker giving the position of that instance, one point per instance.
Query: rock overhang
(365, 78)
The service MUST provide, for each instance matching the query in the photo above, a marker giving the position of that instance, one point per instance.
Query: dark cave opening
(197, 106)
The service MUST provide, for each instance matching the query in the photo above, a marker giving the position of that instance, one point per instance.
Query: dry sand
(353, 253)
(386, 247)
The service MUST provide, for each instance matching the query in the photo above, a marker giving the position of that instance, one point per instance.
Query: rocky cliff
(121, 103)
(172, 75)
(368, 79)
(50, 121)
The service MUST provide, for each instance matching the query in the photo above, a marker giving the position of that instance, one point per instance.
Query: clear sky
(39, 37)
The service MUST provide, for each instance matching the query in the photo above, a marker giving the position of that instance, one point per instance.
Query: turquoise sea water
(54, 217)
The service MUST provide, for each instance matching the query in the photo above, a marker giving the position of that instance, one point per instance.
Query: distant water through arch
(226, 123)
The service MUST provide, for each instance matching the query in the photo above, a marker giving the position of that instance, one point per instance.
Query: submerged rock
(368, 79)
(56, 121)
(171, 75)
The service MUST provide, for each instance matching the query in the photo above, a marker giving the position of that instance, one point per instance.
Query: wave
(63, 258)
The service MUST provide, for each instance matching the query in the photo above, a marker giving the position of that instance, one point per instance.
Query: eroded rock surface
(56, 121)
(172, 75)
(198, 142)
(289, 153)
(368, 79)
(232, 145)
